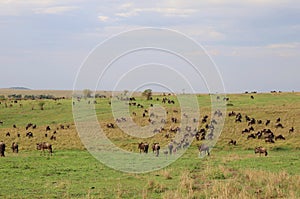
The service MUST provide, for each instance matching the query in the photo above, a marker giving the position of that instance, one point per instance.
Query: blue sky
(254, 43)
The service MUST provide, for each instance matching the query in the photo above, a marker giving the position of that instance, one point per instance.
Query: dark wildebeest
(278, 120)
(268, 122)
(251, 136)
(110, 125)
(1, 122)
(2, 149)
(44, 146)
(15, 147)
(52, 137)
(143, 147)
(269, 139)
(48, 128)
(7, 134)
(204, 148)
(291, 130)
(280, 137)
(29, 135)
(233, 142)
(279, 125)
(156, 148)
(261, 150)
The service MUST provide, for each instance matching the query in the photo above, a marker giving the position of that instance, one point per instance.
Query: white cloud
(54, 9)
(168, 12)
(284, 45)
(103, 18)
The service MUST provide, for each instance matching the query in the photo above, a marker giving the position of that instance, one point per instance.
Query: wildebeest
(52, 137)
(15, 147)
(280, 137)
(28, 126)
(1, 122)
(2, 149)
(268, 122)
(233, 142)
(261, 150)
(291, 130)
(48, 128)
(44, 146)
(156, 148)
(7, 134)
(29, 134)
(110, 125)
(143, 147)
(279, 125)
(203, 148)
(251, 136)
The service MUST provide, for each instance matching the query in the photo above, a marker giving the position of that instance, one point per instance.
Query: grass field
(230, 171)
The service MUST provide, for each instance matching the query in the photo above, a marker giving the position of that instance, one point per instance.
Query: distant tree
(147, 93)
(41, 105)
(87, 93)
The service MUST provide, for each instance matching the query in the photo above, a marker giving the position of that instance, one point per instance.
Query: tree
(147, 93)
(87, 93)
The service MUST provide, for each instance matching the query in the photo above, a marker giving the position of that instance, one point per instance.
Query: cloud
(284, 45)
(54, 10)
(103, 18)
(167, 12)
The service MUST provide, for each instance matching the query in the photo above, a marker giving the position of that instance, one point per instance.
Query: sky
(255, 44)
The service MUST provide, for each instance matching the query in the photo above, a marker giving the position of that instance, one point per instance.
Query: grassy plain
(230, 171)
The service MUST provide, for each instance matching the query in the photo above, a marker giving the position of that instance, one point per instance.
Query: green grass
(76, 174)
(230, 171)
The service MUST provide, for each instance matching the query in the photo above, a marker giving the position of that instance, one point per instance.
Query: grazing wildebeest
(291, 130)
(52, 137)
(28, 126)
(268, 122)
(156, 148)
(233, 142)
(7, 134)
(280, 137)
(269, 139)
(204, 148)
(44, 146)
(251, 136)
(279, 125)
(278, 120)
(252, 97)
(14, 126)
(2, 149)
(15, 147)
(259, 121)
(1, 122)
(110, 125)
(48, 128)
(261, 150)
(29, 134)
(143, 147)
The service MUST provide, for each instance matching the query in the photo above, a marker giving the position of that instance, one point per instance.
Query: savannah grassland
(230, 171)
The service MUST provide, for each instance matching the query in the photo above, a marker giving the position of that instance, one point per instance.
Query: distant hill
(19, 88)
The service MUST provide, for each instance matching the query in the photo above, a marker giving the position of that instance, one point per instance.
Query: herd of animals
(200, 134)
